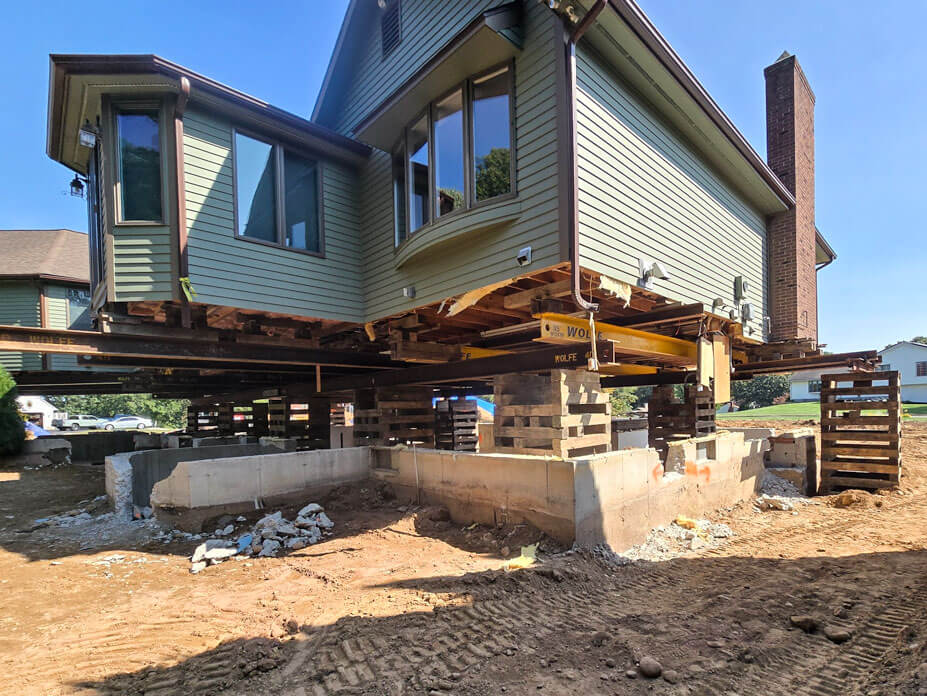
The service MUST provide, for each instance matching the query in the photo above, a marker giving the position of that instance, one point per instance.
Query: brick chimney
(791, 235)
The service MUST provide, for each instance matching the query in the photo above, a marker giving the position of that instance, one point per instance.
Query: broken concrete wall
(485, 488)
(621, 496)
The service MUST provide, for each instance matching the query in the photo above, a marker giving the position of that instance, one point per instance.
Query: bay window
(455, 155)
(139, 165)
(277, 195)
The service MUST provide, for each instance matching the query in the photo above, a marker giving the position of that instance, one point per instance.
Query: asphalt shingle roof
(60, 253)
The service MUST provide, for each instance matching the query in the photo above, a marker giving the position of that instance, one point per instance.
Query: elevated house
(477, 180)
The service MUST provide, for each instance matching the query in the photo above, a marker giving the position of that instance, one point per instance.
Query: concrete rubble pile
(269, 536)
(670, 541)
(778, 494)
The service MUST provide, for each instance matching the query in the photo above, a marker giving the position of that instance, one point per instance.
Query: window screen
(389, 27)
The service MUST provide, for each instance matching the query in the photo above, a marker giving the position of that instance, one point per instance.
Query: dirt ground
(399, 603)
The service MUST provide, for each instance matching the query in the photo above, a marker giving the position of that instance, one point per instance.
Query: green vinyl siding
(142, 262)
(645, 192)
(426, 27)
(229, 271)
(481, 258)
(19, 306)
(57, 316)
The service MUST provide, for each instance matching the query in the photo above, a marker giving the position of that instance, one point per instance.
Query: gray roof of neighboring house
(51, 254)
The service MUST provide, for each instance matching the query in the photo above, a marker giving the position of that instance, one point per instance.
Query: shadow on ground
(574, 625)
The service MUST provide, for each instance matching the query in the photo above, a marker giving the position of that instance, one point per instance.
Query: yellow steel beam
(617, 369)
(474, 353)
(561, 328)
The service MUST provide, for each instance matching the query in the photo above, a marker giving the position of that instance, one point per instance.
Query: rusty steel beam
(21, 338)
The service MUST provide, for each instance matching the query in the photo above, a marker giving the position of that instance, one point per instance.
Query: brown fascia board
(63, 65)
(641, 25)
(46, 277)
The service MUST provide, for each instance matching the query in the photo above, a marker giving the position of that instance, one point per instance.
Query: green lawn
(801, 411)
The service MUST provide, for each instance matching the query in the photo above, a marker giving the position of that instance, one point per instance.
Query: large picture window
(277, 195)
(457, 154)
(139, 164)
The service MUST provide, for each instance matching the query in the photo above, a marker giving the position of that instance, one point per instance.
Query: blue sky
(863, 60)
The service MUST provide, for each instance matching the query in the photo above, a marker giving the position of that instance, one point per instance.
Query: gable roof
(360, 16)
(910, 343)
(49, 254)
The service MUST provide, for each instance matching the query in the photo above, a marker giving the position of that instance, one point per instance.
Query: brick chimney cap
(785, 54)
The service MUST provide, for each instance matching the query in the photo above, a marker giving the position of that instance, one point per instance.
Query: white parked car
(128, 423)
(78, 422)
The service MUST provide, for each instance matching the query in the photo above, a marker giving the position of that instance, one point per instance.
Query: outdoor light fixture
(650, 270)
(77, 187)
(87, 137)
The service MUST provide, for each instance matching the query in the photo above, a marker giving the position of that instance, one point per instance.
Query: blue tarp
(487, 406)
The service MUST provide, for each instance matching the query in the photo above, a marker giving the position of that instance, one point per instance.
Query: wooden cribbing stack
(860, 430)
(456, 422)
(670, 419)
(394, 415)
(202, 419)
(564, 414)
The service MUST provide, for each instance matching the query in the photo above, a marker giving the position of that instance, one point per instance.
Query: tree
(919, 339)
(168, 413)
(759, 391)
(493, 173)
(12, 431)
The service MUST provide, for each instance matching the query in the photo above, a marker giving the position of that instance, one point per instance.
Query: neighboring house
(37, 410)
(907, 357)
(44, 282)
(437, 180)
(910, 359)
(805, 385)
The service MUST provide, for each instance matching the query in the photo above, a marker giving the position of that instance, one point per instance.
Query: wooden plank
(721, 349)
(854, 482)
(889, 389)
(857, 450)
(859, 435)
(862, 465)
(891, 421)
(523, 299)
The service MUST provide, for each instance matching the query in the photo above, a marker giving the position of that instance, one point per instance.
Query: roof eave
(63, 65)
(635, 18)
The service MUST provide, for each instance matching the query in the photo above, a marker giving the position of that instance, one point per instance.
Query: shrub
(12, 432)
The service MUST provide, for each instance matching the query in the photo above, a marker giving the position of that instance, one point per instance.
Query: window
(277, 195)
(79, 309)
(139, 166)
(921, 368)
(884, 367)
(814, 386)
(390, 33)
(456, 155)
(449, 153)
(419, 177)
(492, 136)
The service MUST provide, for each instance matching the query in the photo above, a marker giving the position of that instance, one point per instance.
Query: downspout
(573, 208)
(183, 266)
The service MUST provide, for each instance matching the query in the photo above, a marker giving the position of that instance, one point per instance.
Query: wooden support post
(670, 419)
(564, 413)
(860, 430)
(456, 422)
(259, 423)
(226, 419)
(320, 429)
(392, 415)
(277, 417)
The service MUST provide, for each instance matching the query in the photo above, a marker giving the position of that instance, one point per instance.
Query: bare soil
(397, 602)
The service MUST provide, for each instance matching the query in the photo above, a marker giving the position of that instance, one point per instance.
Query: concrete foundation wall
(94, 447)
(621, 496)
(486, 488)
(225, 481)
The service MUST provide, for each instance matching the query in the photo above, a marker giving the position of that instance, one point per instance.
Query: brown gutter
(183, 265)
(180, 107)
(573, 207)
